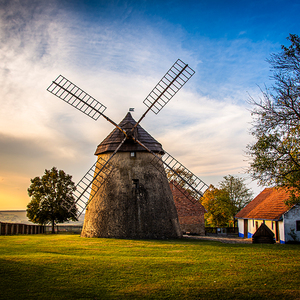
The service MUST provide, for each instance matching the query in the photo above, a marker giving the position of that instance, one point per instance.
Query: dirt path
(220, 238)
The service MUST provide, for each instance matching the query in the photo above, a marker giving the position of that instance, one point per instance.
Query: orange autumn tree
(219, 207)
(223, 203)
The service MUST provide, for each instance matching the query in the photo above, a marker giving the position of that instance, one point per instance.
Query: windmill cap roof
(112, 141)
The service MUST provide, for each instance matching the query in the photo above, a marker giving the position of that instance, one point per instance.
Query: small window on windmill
(135, 184)
(132, 154)
(297, 225)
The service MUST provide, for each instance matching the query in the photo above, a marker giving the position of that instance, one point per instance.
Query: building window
(297, 225)
(135, 184)
(272, 225)
(132, 154)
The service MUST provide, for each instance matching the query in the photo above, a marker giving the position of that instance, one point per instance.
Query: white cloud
(118, 64)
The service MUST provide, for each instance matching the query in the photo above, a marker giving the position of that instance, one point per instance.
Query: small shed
(263, 235)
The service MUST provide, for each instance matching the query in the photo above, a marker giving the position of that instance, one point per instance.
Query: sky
(117, 51)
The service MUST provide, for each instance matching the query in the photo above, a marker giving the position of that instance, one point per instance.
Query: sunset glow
(117, 51)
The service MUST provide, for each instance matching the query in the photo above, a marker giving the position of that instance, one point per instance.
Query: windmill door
(246, 228)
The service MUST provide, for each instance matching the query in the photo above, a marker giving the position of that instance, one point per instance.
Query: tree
(238, 192)
(223, 203)
(218, 205)
(50, 195)
(275, 157)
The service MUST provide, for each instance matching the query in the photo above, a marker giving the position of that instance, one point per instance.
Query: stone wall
(135, 201)
(291, 234)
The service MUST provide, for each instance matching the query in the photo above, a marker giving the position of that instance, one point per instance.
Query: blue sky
(117, 51)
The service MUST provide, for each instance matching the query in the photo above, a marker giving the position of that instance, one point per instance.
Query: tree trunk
(53, 230)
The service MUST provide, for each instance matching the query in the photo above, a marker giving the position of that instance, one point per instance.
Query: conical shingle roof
(112, 141)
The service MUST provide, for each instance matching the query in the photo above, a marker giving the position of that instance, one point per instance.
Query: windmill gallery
(126, 193)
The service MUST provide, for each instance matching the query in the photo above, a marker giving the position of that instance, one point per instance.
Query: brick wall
(191, 215)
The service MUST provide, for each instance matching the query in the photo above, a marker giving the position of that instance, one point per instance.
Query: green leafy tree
(275, 156)
(223, 203)
(51, 194)
(218, 205)
(238, 192)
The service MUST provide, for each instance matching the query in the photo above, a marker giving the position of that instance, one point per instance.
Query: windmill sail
(90, 183)
(168, 86)
(73, 95)
(64, 89)
(187, 183)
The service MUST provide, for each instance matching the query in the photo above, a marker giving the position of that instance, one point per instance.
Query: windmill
(126, 193)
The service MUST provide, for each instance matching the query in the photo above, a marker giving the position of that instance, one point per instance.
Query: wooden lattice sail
(126, 192)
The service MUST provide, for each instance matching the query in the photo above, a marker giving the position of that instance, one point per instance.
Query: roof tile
(268, 205)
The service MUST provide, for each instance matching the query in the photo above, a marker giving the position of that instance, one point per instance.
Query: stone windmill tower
(136, 200)
(126, 192)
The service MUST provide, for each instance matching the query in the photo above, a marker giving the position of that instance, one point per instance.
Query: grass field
(70, 267)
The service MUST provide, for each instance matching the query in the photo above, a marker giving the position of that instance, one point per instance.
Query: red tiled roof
(268, 205)
(185, 207)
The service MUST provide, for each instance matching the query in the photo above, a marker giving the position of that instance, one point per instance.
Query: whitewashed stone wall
(290, 219)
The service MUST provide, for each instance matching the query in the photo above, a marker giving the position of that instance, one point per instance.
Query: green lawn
(70, 267)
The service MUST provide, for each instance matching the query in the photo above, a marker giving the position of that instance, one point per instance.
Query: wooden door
(276, 231)
(246, 228)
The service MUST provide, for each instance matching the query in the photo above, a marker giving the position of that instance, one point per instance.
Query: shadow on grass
(21, 280)
(24, 281)
(69, 267)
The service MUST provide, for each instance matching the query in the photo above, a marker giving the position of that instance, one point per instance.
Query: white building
(269, 208)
